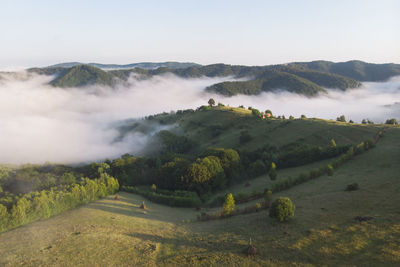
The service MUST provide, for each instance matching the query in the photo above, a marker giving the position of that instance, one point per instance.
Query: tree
(303, 117)
(229, 204)
(392, 121)
(333, 143)
(282, 209)
(268, 112)
(291, 117)
(153, 188)
(342, 118)
(329, 170)
(364, 121)
(272, 172)
(256, 113)
(211, 102)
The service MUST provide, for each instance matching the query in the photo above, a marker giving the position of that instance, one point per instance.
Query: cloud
(41, 123)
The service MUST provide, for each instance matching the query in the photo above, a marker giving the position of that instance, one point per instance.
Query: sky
(45, 32)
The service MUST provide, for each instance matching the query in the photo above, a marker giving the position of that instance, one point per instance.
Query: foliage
(229, 204)
(282, 209)
(178, 198)
(244, 137)
(211, 102)
(392, 121)
(43, 204)
(272, 172)
(342, 118)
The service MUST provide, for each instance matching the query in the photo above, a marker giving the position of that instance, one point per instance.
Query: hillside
(82, 75)
(278, 81)
(307, 78)
(323, 231)
(355, 69)
(222, 127)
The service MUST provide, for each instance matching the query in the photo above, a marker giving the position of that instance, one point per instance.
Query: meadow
(323, 232)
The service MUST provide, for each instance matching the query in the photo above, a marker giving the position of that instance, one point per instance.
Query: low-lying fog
(41, 123)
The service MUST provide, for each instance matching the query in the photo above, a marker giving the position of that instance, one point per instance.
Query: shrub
(329, 170)
(229, 205)
(272, 172)
(352, 187)
(153, 188)
(333, 143)
(282, 209)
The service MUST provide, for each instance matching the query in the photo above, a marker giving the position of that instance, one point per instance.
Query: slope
(323, 231)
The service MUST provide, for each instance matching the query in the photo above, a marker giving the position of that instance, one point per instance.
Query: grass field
(323, 231)
(198, 126)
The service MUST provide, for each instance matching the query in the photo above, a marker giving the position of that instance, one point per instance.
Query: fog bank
(41, 123)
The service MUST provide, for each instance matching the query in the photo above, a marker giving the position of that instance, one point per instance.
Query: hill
(323, 231)
(83, 75)
(278, 81)
(141, 65)
(307, 78)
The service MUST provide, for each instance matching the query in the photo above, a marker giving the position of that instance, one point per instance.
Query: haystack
(251, 250)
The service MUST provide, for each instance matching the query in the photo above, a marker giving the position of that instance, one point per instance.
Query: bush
(272, 172)
(329, 170)
(282, 209)
(352, 187)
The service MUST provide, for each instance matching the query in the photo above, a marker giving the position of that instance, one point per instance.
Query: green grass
(323, 231)
(197, 126)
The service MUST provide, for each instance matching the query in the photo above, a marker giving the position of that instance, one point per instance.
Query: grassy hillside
(222, 127)
(323, 231)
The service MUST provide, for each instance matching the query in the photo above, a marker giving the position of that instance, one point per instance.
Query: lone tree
(333, 143)
(229, 205)
(272, 172)
(282, 209)
(211, 102)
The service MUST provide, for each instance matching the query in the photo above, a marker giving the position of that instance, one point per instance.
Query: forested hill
(307, 78)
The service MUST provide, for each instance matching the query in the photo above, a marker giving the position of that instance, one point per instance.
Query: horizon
(259, 33)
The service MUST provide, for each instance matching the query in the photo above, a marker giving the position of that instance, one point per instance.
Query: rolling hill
(307, 78)
(324, 230)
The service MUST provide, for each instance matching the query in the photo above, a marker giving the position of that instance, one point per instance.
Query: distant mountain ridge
(142, 65)
(306, 78)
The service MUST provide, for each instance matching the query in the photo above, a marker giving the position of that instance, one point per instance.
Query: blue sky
(38, 33)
